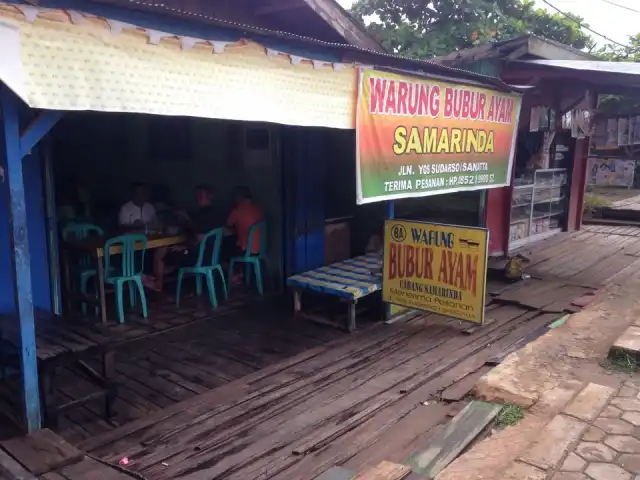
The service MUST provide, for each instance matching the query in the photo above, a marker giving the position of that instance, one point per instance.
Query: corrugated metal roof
(349, 53)
(207, 11)
(503, 48)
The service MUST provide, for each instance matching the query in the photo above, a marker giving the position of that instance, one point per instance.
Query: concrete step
(627, 344)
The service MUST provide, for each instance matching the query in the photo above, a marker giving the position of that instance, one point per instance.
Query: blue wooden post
(18, 146)
(391, 209)
(391, 213)
(22, 260)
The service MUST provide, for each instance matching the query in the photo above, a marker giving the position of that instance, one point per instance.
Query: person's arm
(231, 223)
(184, 216)
(151, 214)
(124, 217)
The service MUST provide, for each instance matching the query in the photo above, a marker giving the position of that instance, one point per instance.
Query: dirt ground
(546, 374)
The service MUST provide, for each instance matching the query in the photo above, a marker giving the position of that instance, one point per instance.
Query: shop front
(261, 112)
(559, 123)
(422, 141)
(547, 188)
(541, 191)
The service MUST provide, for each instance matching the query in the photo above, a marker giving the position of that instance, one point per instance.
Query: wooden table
(349, 280)
(94, 246)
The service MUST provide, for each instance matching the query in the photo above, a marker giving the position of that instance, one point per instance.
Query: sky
(614, 22)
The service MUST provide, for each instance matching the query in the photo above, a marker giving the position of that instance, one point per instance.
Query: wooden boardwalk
(594, 256)
(45, 455)
(357, 401)
(253, 394)
(629, 203)
(161, 371)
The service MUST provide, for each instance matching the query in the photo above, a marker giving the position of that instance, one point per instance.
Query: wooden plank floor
(594, 256)
(45, 455)
(628, 203)
(170, 368)
(327, 406)
(252, 394)
(201, 350)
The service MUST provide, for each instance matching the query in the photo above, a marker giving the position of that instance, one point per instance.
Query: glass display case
(538, 207)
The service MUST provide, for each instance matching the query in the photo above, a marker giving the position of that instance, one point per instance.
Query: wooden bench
(65, 341)
(60, 343)
(349, 280)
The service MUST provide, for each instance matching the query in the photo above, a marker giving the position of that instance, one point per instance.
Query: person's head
(241, 194)
(139, 193)
(204, 195)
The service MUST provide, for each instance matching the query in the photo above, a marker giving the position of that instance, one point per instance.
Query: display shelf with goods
(538, 208)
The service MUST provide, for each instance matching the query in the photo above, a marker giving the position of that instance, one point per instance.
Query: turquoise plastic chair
(85, 268)
(252, 260)
(81, 230)
(203, 269)
(127, 272)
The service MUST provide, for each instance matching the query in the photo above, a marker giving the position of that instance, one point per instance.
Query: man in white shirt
(137, 212)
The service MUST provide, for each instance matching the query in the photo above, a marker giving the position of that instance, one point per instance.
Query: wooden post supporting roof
(17, 146)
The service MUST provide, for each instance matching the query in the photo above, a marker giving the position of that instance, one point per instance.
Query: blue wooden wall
(303, 152)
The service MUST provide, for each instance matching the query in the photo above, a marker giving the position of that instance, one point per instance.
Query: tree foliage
(620, 104)
(618, 53)
(426, 28)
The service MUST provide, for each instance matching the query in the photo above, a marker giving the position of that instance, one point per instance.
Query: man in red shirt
(243, 216)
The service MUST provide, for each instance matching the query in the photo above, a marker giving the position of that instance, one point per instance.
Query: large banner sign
(437, 268)
(418, 137)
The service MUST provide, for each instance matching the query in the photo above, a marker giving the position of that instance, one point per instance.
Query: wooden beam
(9, 468)
(21, 260)
(553, 51)
(386, 471)
(276, 7)
(445, 447)
(37, 129)
(336, 473)
(341, 22)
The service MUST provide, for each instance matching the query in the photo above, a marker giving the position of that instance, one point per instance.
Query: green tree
(618, 53)
(426, 28)
(620, 104)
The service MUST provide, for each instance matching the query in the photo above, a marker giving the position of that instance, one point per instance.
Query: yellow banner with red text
(436, 268)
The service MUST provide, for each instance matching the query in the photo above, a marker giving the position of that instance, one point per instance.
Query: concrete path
(579, 422)
(596, 437)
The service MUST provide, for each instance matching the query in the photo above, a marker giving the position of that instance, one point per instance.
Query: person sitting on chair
(138, 212)
(243, 216)
(203, 219)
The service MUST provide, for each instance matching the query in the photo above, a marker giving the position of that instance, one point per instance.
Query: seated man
(203, 219)
(138, 212)
(243, 216)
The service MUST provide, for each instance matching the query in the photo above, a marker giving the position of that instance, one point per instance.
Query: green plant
(510, 414)
(621, 362)
(594, 201)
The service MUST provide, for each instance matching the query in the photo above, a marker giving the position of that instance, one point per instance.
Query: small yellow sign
(437, 268)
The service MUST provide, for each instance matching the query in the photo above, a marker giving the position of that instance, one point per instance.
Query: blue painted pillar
(21, 259)
(391, 213)
(391, 209)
